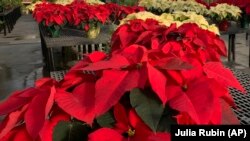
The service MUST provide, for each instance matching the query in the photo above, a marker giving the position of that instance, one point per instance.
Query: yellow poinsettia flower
(214, 29)
(92, 2)
(174, 5)
(178, 18)
(63, 2)
(225, 12)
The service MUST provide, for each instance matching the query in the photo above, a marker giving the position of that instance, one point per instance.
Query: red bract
(179, 67)
(128, 126)
(23, 105)
(79, 13)
(86, 14)
(118, 12)
(18, 133)
(57, 115)
(52, 14)
(178, 58)
(184, 41)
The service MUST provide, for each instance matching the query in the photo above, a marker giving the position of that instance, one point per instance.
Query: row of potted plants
(170, 6)
(80, 14)
(217, 12)
(244, 5)
(155, 76)
(8, 4)
(178, 18)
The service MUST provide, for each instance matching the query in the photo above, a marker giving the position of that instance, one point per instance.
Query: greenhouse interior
(124, 70)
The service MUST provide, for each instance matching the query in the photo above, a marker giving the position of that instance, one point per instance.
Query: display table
(232, 31)
(242, 100)
(68, 38)
(9, 18)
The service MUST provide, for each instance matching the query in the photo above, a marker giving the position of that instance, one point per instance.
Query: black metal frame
(232, 31)
(242, 100)
(9, 18)
(68, 38)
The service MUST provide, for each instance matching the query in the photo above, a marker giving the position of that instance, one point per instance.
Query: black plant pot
(244, 21)
(1, 9)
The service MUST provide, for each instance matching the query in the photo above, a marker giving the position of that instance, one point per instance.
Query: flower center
(184, 87)
(131, 132)
(139, 65)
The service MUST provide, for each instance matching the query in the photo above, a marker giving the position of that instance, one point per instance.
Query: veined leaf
(80, 104)
(173, 63)
(35, 114)
(225, 76)
(70, 131)
(106, 120)
(166, 120)
(147, 106)
(111, 87)
(158, 82)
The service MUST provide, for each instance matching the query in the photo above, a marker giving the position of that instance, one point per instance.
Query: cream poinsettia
(32, 6)
(225, 12)
(63, 2)
(170, 6)
(94, 2)
(177, 17)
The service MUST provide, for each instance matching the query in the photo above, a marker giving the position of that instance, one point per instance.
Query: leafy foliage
(70, 131)
(134, 93)
(147, 106)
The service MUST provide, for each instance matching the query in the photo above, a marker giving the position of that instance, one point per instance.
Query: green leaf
(166, 120)
(106, 120)
(71, 131)
(147, 106)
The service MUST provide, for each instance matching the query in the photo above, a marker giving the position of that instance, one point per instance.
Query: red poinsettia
(119, 11)
(170, 60)
(85, 14)
(52, 14)
(179, 66)
(24, 106)
(46, 134)
(128, 126)
(79, 13)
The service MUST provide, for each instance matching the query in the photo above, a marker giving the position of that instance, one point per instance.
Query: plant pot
(224, 25)
(1, 9)
(112, 27)
(93, 31)
(54, 31)
(244, 21)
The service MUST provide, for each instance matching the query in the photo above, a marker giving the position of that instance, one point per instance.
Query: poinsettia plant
(81, 13)
(169, 6)
(118, 12)
(244, 5)
(155, 76)
(53, 16)
(224, 11)
(178, 18)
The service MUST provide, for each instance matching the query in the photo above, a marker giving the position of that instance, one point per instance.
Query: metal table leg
(4, 25)
(249, 53)
(51, 60)
(233, 46)
(229, 47)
